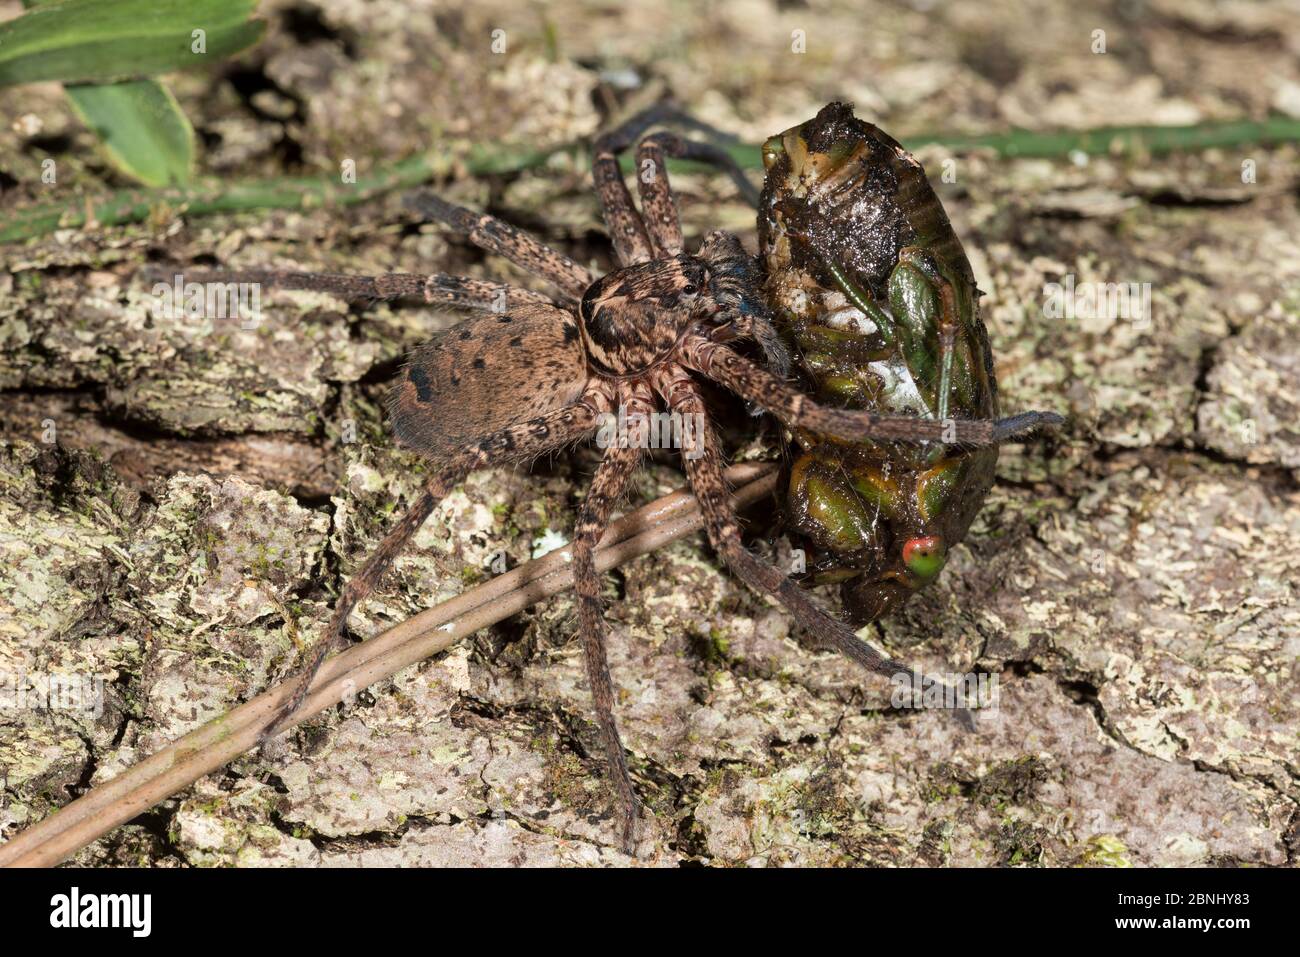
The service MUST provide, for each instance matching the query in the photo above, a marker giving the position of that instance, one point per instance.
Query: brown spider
(535, 374)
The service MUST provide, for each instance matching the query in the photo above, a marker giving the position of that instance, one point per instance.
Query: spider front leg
(456, 292)
(607, 488)
(499, 237)
(658, 209)
(627, 231)
(799, 410)
(666, 113)
(656, 231)
(704, 470)
(524, 440)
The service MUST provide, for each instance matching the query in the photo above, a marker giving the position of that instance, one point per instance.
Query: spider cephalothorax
(532, 374)
(634, 317)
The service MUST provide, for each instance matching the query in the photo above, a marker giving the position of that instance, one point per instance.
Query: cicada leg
(929, 298)
(924, 305)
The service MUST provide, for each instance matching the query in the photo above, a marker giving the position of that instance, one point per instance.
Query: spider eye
(690, 289)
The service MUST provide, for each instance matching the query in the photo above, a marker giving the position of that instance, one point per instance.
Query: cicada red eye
(924, 556)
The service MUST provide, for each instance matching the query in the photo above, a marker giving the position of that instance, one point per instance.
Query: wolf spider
(536, 373)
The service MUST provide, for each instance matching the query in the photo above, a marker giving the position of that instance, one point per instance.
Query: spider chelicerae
(534, 373)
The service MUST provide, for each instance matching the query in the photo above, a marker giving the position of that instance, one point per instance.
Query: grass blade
(143, 132)
(86, 41)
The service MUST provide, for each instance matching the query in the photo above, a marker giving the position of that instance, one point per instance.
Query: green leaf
(84, 41)
(144, 133)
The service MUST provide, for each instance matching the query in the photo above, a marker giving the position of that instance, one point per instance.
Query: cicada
(871, 287)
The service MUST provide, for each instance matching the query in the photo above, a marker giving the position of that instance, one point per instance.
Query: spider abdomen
(484, 374)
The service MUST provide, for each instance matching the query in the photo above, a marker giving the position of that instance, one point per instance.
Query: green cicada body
(870, 286)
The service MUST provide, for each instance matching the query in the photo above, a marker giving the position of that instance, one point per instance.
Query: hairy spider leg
(497, 236)
(456, 292)
(797, 410)
(658, 208)
(522, 441)
(704, 471)
(761, 330)
(666, 113)
(627, 232)
(656, 230)
(607, 488)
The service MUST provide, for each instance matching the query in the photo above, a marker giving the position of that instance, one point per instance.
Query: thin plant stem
(210, 195)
